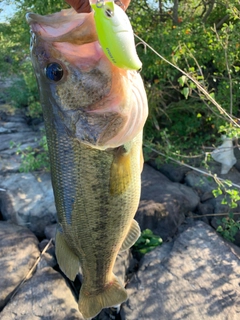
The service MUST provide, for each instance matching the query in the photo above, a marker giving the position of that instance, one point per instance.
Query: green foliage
(147, 242)
(231, 195)
(228, 228)
(209, 54)
(229, 130)
(33, 159)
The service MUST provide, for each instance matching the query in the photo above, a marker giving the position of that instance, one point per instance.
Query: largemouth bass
(94, 114)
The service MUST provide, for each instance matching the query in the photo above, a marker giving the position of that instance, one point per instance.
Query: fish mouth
(64, 26)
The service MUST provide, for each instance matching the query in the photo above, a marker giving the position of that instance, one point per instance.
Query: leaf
(224, 201)
(212, 94)
(192, 85)
(233, 205)
(234, 230)
(185, 92)
(217, 192)
(228, 183)
(147, 242)
(182, 80)
(236, 68)
(219, 229)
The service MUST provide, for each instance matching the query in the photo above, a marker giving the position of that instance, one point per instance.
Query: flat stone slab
(18, 253)
(28, 200)
(196, 277)
(45, 296)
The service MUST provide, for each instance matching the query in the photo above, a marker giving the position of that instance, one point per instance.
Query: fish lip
(50, 19)
(28, 17)
(31, 17)
(55, 19)
(64, 26)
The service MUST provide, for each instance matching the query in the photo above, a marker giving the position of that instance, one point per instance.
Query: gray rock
(28, 200)
(45, 296)
(18, 253)
(207, 196)
(237, 155)
(237, 165)
(48, 258)
(173, 172)
(14, 129)
(233, 175)
(196, 277)
(204, 186)
(17, 138)
(19, 125)
(191, 196)
(50, 231)
(43, 244)
(200, 183)
(123, 265)
(163, 203)
(10, 163)
(10, 159)
(205, 183)
(205, 208)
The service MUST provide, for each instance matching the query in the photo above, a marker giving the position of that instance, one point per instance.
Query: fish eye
(54, 71)
(108, 13)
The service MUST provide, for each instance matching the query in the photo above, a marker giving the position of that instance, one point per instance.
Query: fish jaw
(117, 110)
(64, 26)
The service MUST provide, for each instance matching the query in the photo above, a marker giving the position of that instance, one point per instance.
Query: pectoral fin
(121, 173)
(132, 236)
(67, 260)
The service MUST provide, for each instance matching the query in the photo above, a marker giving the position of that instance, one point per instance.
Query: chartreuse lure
(115, 35)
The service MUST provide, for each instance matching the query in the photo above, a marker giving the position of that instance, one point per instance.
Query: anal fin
(132, 236)
(67, 260)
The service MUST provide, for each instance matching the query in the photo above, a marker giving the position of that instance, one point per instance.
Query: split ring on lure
(115, 35)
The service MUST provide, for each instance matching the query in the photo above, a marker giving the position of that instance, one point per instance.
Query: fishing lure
(115, 35)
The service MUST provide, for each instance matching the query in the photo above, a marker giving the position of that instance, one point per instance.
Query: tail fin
(91, 305)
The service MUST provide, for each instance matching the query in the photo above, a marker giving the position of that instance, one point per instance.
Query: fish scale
(87, 214)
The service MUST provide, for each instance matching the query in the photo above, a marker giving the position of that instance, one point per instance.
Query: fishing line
(206, 94)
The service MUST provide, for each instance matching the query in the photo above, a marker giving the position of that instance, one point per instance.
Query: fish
(94, 113)
(115, 34)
